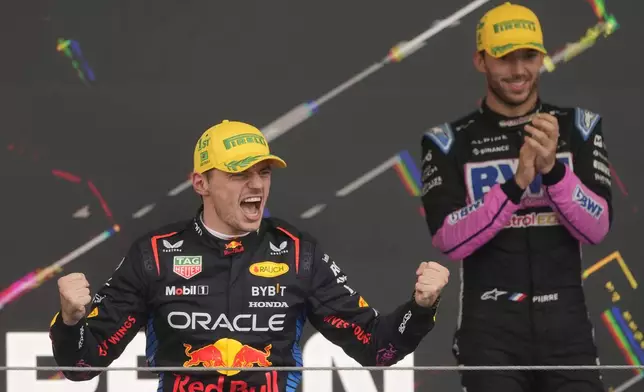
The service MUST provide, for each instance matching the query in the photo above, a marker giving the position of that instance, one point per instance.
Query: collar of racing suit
(509, 123)
(248, 241)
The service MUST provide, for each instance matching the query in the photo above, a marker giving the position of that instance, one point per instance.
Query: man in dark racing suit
(513, 190)
(232, 289)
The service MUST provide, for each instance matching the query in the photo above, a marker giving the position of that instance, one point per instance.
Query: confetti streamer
(71, 49)
(606, 26)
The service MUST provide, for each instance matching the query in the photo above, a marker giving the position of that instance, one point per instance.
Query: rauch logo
(268, 269)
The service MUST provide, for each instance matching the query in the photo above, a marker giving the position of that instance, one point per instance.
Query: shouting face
(512, 79)
(237, 199)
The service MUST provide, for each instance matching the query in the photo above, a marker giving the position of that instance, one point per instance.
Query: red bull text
(188, 384)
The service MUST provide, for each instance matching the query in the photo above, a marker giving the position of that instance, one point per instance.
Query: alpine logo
(278, 250)
(443, 136)
(585, 120)
(170, 247)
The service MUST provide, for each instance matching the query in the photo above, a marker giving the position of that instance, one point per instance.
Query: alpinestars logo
(176, 247)
(276, 251)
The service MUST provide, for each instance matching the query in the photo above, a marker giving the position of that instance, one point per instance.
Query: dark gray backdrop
(165, 71)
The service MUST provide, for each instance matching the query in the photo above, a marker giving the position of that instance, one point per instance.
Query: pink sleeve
(583, 212)
(469, 228)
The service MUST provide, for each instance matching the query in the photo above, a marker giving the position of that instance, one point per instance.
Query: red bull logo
(185, 383)
(233, 247)
(227, 353)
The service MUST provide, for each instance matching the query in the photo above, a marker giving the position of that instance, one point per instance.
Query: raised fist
(432, 277)
(74, 297)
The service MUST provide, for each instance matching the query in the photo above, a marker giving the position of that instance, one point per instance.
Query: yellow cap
(233, 147)
(509, 27)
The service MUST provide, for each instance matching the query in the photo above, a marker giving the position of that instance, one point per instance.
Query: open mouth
(252, 206)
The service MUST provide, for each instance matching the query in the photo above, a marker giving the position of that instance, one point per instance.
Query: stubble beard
(497, 90)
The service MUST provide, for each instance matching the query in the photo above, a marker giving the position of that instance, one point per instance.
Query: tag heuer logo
(187, 266)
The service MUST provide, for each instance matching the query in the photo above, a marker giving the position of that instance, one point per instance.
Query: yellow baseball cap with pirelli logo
(232, 146)
(509, 27)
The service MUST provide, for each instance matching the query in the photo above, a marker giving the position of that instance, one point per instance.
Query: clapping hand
(545, 135)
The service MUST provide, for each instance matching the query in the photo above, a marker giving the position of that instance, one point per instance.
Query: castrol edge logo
(268, 269)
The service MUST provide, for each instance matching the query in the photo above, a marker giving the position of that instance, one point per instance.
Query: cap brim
(246, 162)
(275, 160)
(516, 47)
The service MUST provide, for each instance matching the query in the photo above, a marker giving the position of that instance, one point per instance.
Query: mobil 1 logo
(177, 291)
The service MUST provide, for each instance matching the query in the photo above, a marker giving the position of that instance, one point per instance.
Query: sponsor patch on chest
(480, 177)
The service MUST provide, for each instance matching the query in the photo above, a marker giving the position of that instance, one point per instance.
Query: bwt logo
(587, 203)
(456, 216)
(482, 176)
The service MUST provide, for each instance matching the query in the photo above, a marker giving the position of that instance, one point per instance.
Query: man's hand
(74, 297)
(527, 170)
(432, 277)
(545, 134)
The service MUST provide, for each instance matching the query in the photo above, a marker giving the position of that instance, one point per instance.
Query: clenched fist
(74, 297)
(432, 277)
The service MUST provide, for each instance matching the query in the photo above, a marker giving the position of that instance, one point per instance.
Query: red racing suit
(205, 302)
